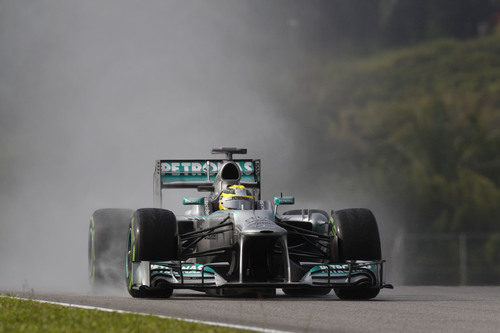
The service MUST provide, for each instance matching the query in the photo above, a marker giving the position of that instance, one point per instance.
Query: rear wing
(198, 173)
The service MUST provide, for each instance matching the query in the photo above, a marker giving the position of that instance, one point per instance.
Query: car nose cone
(255, 224)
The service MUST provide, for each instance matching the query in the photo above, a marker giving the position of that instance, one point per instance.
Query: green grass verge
(30, 316)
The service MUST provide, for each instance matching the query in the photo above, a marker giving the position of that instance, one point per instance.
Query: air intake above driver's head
(230, 172)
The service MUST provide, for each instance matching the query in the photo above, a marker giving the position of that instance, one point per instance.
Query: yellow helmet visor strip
(226, 195)
(234, 196)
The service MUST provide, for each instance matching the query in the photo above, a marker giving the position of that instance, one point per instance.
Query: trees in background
(409, 21)
(417, 127)
(340, 27)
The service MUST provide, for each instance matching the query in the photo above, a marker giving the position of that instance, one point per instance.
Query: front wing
(198, 276)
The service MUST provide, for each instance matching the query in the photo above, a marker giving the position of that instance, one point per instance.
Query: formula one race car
(230, 242)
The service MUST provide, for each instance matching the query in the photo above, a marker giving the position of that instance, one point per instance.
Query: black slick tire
(152, 236)
(106, 244)
(358, 239)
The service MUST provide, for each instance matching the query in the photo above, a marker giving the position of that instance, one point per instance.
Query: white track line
(213, 323)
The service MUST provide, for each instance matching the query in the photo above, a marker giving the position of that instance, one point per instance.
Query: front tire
(152, 236)
(358, 239)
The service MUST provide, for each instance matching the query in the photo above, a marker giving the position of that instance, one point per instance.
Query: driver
(236, 197)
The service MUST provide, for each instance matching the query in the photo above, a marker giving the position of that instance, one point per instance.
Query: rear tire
(358, 239)
(152, 236)
(107, 234)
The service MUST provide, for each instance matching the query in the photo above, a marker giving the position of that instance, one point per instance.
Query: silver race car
(231, 242)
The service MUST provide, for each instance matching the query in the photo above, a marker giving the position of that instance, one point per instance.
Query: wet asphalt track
(404, 309)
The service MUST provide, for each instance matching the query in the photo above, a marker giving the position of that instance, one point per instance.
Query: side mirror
(193, 201)
(278, 201)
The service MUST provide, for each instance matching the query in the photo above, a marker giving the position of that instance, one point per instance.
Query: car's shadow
(180, 296)
(384, 296)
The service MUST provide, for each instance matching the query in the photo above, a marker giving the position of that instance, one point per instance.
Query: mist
(91, 93)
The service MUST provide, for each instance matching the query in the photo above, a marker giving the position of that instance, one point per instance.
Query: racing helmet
(236, 197)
